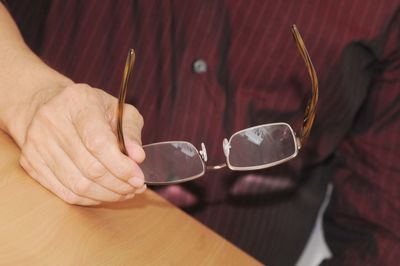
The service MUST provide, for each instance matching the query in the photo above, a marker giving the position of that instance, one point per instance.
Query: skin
(66, 131)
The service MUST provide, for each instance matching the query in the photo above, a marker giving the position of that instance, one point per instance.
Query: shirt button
(199, 66)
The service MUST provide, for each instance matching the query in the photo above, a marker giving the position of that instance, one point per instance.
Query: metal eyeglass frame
(299, 141)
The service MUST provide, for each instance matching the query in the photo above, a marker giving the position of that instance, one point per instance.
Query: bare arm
(23, 77)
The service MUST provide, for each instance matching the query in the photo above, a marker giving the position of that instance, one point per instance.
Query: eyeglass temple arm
(312, 102)
(130, 60)
(310, 109)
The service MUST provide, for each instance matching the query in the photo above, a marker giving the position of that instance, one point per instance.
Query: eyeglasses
(252, 148)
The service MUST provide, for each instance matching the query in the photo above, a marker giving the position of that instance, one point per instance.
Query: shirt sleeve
(362, 224)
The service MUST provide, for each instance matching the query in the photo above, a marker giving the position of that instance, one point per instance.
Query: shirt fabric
(251, 73)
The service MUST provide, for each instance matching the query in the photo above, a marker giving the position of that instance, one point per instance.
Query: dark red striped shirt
(254, 75)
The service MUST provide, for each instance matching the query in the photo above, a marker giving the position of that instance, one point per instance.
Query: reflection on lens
(171, 162)
(262, 145)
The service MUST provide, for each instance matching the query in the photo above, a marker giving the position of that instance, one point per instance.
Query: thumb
(132, 127)
(133, 146)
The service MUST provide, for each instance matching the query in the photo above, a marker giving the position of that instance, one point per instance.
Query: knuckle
(134, 113)
(94, 142)
(81, 188)
(47, 117)
(29, 138)
(142, 189)
(95, 170)
(23, 162)
(117, 198)
(76, 89)
(104, 95)
(71, 198)
(25, 165)
(32, 136)
(140, 120)
(45, 113)
(74, 93)
(130, 196)
(125, 171)
(69, 93)
(125, 189)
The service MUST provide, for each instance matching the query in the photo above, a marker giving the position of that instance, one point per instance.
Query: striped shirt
(206, 69)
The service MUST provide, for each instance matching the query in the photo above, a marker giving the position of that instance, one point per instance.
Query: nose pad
(226, 147)
(203, 152)
(298, 142)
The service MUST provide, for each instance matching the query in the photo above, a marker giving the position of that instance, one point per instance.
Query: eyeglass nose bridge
(226, 147)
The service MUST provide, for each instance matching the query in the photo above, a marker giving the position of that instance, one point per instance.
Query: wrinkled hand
(71, 147)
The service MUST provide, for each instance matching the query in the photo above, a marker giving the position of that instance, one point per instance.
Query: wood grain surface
(36, 228)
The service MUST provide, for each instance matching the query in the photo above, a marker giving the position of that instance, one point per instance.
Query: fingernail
(141, 190)
(130, 196)
(136, 181)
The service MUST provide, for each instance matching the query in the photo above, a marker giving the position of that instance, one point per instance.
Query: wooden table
(36, 228)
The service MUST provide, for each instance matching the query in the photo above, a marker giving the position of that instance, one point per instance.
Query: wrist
(15, 119)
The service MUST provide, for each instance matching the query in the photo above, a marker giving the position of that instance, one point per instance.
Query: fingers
(67, 173)
(141, 190)
(97, 136)
(45, 177)
(89, 166)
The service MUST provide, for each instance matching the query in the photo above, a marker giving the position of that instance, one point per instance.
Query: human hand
(70, 147)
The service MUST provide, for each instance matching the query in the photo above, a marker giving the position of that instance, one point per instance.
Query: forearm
(25, 81)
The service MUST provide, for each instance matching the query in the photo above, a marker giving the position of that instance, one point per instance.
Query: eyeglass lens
(169, 162)
(261, 145)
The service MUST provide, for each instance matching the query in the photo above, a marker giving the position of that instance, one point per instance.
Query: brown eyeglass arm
(312, 102)
(130, 60)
